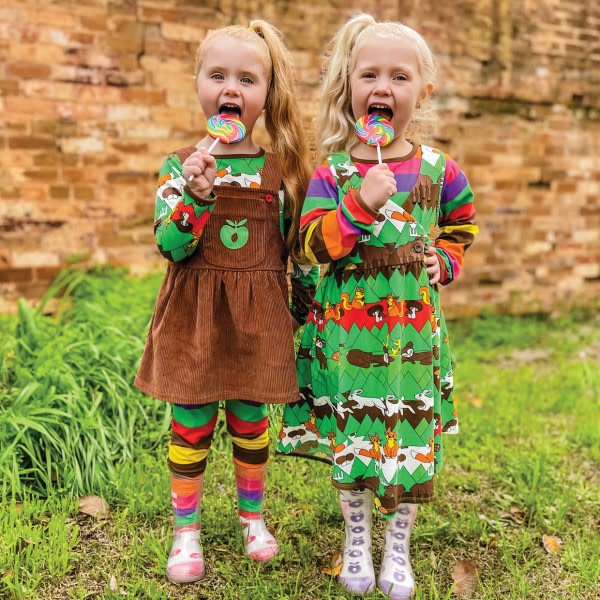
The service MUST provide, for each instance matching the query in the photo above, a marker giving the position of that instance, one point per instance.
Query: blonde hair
(283, 119)
(335, 122)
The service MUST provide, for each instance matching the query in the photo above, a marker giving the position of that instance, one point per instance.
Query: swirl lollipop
(376, 131)
(225, 129)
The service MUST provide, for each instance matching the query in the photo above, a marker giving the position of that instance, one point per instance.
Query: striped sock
(185, 500)
(247, 423)
(250, 483)
(191, 435)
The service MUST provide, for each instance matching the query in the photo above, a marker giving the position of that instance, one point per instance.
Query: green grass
(525, 465)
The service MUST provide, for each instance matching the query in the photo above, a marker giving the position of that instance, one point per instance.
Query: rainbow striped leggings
(192, 431)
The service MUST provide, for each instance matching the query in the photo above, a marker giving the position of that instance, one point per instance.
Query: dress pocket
(235, 243)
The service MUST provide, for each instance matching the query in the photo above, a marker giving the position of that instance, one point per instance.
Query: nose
(383, 87)
(231, 88)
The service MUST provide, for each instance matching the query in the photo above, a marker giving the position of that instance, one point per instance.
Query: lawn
(518, 497)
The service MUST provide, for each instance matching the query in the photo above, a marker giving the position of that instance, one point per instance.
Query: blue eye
(217, 76)
(246, 80)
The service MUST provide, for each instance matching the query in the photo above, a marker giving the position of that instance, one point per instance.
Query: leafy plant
(68, 411)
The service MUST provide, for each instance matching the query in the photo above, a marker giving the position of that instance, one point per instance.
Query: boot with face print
(396, 578)
(357, 575)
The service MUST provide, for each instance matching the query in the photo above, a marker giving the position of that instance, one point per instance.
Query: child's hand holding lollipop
(200, 170)
(200, 167)
(379, 183)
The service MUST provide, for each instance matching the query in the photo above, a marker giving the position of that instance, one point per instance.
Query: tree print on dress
(374, 364)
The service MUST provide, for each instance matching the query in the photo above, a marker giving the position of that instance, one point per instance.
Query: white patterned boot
(396, 578)
(186, 561)
(357, 575)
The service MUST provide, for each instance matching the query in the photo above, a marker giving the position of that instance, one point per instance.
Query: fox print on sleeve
(179, 217)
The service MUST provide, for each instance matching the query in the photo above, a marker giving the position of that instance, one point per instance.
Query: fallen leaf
(517, 510)
(18, 507)
(9, 573)
(336, 566)
(22, 543)
(489, 521)
(114, 586)
(515, 513)
(552, 544)
(94, 506)
(466, 578)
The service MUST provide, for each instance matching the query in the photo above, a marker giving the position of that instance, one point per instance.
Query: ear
(425, 93)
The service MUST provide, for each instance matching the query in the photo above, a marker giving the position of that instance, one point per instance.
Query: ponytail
(283, 121)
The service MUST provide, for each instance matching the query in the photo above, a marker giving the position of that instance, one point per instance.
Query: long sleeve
(329, 228)
(179, 216)
(304, 279)
(456, 222)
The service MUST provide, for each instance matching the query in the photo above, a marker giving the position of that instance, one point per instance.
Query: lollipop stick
(379, 153)
(216, 141)
(212, 146)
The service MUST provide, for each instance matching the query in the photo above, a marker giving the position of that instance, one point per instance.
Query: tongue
(381, 112)
(232, 112)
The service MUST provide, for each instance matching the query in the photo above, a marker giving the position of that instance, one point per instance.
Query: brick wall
(95, 92)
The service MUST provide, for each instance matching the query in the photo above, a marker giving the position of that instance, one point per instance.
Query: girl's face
(232, 79)
(385, 80)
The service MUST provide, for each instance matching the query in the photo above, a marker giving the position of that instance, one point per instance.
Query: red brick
(32, 143)
(46, 274)
(28, 70)
(16, 275)
(9, 87)
(59, 192)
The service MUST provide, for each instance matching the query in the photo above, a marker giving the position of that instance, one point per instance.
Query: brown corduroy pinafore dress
(221, 328)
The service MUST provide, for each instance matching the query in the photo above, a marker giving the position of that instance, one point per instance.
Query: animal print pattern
(374, 363)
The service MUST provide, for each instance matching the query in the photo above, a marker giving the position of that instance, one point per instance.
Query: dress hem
(222, 396)
(358, 486)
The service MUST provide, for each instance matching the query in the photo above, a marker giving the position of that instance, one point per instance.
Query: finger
(210, 161)
(193, 171)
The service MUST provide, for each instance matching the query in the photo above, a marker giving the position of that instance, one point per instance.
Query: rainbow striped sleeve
(179, 217)
(456, 222)
(329, 228)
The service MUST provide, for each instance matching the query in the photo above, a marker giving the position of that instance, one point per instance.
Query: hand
(202, 168)
(432, 264)
(377, 186)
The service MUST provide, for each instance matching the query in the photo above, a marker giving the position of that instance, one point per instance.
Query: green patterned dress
(374, 364)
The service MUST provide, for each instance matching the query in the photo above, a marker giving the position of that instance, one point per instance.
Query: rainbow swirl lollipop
(375, 131)
(225, 129)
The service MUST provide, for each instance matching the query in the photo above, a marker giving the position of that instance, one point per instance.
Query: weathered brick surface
(94, 93)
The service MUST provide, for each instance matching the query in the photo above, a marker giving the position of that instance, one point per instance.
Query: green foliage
(68, 412)
(525, 465)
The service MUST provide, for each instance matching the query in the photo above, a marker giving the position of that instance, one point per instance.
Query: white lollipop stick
(379, 153)
(212, 146)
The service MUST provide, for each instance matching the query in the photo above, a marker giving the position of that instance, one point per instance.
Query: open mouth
(230, 109)
(382, 110)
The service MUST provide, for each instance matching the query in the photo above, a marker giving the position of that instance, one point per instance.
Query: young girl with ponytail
(222, 328)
